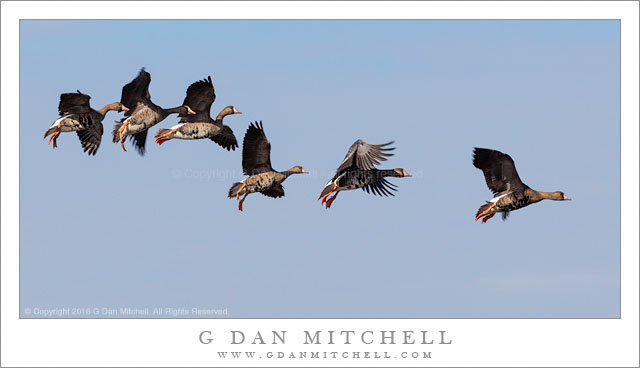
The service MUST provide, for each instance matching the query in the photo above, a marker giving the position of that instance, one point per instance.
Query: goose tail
(49, 131)
(233, 191)
(115, 134)
(327, 189)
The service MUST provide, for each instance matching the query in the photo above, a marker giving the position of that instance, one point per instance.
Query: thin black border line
(619, 20)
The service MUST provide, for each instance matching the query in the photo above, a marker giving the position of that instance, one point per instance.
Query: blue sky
(120, 230)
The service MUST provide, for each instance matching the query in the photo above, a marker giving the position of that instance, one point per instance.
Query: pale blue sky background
(120, 230)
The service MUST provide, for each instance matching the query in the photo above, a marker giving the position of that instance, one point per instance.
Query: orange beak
(566, 198)
(304, 171)
(407, 174)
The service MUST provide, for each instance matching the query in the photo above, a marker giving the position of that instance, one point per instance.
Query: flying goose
(200, 96)
(256, 162)
(357, 170)
(77, 116)
(144, 115)
(510, 193)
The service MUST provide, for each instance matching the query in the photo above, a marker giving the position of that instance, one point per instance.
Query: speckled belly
(139, 125)
(195, 131)
(260, 182)
(71, 125)
(355, 181)
(512, 201)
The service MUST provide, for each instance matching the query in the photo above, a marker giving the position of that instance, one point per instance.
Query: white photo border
(475, 342)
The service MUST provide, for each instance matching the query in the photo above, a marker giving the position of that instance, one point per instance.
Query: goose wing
(256, 151)
(91, 137)
(276, 191)
(365, 156)
(499, 170)
(381, 187)
(226, 139)
(136, 92)
(200, 97)
(139, 141)
(74, 103)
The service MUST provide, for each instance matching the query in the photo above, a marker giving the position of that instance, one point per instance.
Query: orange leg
(53, 135)
(55, 140)
(161, 139)
(240, 203)
(486, 218)
(485, 212)
(324, 197)
(238, 192)
(330, 200)
(120, 131)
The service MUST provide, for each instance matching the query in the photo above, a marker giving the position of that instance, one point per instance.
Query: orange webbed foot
(55, 140)
(486, 218)
(485, 212)
(54, 136)
(242, 201)
(240, 190)
(163, 138)
(324, 197)
(330, 200)
(122, 139)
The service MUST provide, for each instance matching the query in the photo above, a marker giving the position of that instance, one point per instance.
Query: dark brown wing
(381, 187)
(74, 103)
(91, 137)
(200, 97)
(226, 138)
(256, 151)
(276, 191)
(499, 170)
(136, 91)
(364, 156)
(139, 140)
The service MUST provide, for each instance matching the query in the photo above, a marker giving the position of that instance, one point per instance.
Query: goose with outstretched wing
(200, 96)
(76, 115)
(143, 114)
(256, 162)
(358, 170)
(510, 193)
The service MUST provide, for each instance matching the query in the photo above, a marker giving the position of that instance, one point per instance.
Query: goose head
(399, 173)
(187, 110)
(229, 110)
(559, 196)
(297, 170)
(117, 106)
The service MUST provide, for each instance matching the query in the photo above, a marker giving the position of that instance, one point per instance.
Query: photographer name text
(329, 337)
